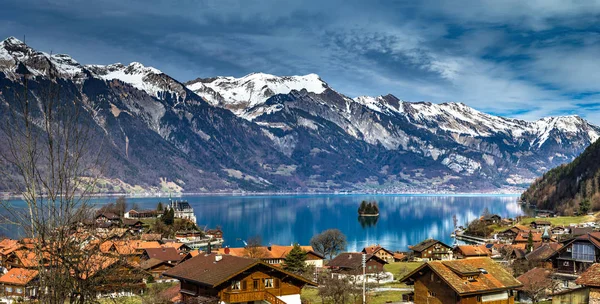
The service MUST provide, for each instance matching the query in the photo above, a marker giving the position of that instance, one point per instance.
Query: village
(162, 255)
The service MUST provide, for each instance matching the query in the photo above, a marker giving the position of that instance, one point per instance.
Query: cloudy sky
(524, 59)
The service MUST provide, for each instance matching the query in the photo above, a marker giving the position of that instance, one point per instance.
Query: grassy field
(310, 295)
(401, 269)
(561, 220)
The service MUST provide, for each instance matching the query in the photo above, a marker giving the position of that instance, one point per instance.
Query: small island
(368, 209)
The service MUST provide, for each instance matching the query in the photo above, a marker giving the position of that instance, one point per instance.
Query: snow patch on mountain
(240, 94)
(135, 74)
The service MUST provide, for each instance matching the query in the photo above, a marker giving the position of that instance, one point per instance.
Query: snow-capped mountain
(265, 132)
(238, 94)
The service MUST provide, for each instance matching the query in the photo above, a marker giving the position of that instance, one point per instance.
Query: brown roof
(541, 223)
(489, 277)
(270, 252)
(590, 277)
(151, 263)
(374, 249)
(399, 256)
(425, 244)
(534, 276)
(543, 252)
(351, 260)
(18, 276)
(151, 237)
(205, 269)
(131, 222)
(473, 250)
(163, 254)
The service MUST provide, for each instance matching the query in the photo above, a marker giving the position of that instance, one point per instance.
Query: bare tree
(329, 242)
(47, 152)
(254, 248)
(538, 285)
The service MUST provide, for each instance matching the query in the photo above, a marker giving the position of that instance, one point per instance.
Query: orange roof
(523, 236)
(96, 263)
(275, 252)
(18, 276)
(144, 245)
(373, 249)
(27, 258)
(590, 277)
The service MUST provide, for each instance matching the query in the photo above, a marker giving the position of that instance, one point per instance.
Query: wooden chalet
(380, 252)
(112, 276)
(350, 263)
(540, 224)
(476, 280)
(232, 279)
(431, 249)
(166, 254)
(535, 279)
(471, 251)
(107, 217)
(541, 254)
(576, 256)
(19, 282)
(491, 219)
(523, 237)
(156, 267)
(508, 235)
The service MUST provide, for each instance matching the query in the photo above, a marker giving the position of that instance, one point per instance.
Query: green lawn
(399, 270)
(561, 220)
(310, 295)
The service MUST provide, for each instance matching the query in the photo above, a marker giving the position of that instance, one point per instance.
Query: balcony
(239, 297)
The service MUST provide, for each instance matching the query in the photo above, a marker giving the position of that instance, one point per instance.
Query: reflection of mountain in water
(368, 221)
(403, 220)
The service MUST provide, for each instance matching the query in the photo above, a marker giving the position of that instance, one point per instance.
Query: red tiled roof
(19, 276)
(590, 277)
(473, 250)
(163, 254)
(535, 276)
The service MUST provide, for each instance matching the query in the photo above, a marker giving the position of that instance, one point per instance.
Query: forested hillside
(570, 188)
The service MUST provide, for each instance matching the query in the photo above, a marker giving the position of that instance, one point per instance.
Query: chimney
(218, 257)
(227, 250)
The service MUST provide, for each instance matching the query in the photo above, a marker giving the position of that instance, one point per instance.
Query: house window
(566, 263)
(470, 278)
(236, 285)
(430, 293)
(568, 249)
(268, 283)
(8, 289)
(255, 284)
(19, 290)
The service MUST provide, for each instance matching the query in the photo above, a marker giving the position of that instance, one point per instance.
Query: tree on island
(295, 261)
(368, 208)
(329, 242)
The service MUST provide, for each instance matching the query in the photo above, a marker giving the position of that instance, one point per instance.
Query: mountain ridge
(296, 133)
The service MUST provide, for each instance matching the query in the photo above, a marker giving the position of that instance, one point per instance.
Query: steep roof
(374, 249)
(206, 270)
(489, 277)
(163, 254)
(151, 263)
(425, 244)
(535, 276)
(543, 252)
(19, 276)
(590, 277)
(351, 260)
(271, 252)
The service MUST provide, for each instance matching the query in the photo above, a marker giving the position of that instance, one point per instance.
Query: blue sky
(524, 59)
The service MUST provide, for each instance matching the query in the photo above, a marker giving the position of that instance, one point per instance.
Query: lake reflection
(404, 219)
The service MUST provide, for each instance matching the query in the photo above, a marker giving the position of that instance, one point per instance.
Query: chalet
(156, 268)
(541, 255)
(143, 214)
(506, 222)
(589, 292)
(275, 254)
(232, 279)
(19, 282)
(125, 279)
(475, 280)
(350, 263)
(215, 233)
(538, 280)
(471, 251)
(490, 219)
(380, 252)
(540, 224)
(133, 225)
(107, 217)
(576, 256)
(431, 249)
(559, 230)
(181, 248)
(508, 235)
(166, 254)
(400, 257)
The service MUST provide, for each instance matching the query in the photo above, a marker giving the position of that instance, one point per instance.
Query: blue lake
(284, 219)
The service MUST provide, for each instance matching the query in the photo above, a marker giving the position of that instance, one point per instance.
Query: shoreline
(4, 196)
